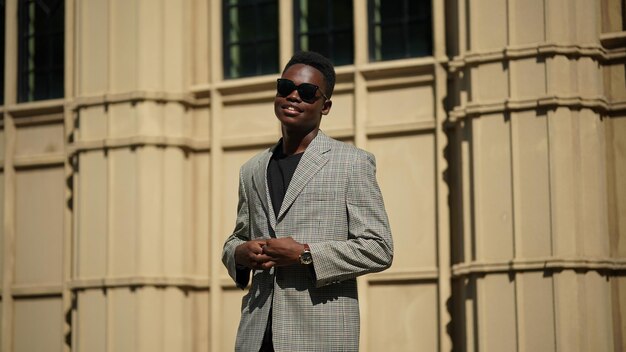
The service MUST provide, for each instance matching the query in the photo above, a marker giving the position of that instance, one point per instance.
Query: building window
(250, 30)
(2, 43)
(327, 27)
(40, 49)
(399, 29)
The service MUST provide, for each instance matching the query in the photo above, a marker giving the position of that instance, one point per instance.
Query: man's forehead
(305, 73)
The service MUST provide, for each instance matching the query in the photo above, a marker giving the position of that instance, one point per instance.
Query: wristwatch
(305, 257)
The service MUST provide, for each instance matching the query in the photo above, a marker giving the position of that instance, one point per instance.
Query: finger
(268, 265)
(262, 258)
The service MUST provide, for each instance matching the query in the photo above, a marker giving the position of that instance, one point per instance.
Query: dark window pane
(391, 10)
(327, 27)
(399, 29)
(392, 42)
(2, 11)
(250, 30)
(343, 48)
(40, 49)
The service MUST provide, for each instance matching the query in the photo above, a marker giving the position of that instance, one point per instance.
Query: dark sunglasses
(306, 91)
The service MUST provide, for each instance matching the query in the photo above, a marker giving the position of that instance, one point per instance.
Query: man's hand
(250, 254)
(281, 252)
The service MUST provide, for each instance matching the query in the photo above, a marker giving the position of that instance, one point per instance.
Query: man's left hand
(283, 251)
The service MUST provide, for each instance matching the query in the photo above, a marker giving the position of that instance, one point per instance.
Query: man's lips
(291, 109)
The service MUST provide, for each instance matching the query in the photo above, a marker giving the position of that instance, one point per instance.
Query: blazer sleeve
(369, 247)
(241, 234)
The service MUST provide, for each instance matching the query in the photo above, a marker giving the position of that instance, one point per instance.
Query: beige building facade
(501, 157)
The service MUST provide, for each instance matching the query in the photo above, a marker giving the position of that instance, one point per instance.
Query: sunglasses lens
(307, 91)
(284, 87)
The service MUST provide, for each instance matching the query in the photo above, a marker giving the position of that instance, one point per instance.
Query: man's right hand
(250, 254)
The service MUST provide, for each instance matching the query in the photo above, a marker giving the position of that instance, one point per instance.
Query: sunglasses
(306, 91)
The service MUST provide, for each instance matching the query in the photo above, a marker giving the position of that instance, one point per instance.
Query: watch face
(306, 258)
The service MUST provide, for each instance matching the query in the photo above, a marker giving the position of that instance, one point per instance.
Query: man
(310, 220)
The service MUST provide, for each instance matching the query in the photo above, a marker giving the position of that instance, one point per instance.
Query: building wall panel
(569, 322)
(177, 220)
(597, 312)
(616, 150)
(93, 47)
(408, 161)
(531, 185)
(176, 122)
(528, 22)
(37, 325)
(122, 323)
(561, 73)
(150, 119)
(91, 320)
(150, 50)
(230, 312)
(493, 188)
(123, 38)
(175, 38)
(535, 307)
(120, 121)
(593, 184)
(341, 115)
(254, 118)
(560, 20)
(564, 181)
(123, 203)
(92, 123)
(39, 139)
(38, 243)
(488, 25)
(200, 212)
(93, 207)
(615, 81)
(496, 313)
(412, 314)
(490, 82)
(150, 215)
(530, 80)
(393, 105)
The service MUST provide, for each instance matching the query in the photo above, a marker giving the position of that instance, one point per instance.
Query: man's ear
(326, 108)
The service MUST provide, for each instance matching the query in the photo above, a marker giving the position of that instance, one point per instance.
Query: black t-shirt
(279, 173)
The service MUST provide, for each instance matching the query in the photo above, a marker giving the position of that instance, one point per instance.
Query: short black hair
(318, 62)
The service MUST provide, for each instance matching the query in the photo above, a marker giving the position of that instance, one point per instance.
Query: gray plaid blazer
(334, 204)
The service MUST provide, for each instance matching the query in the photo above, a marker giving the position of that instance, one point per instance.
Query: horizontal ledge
(133, 96)
(418, 126)
(229, 88)
(524, 51)
(390, 82)
(23, 161)
(395, 65)
(550, 101)
(539, 264)
(613, 39)
(137, 281)
(35, 108)
(248, 142)
(32, 290)
(139, 141)
(428, 274)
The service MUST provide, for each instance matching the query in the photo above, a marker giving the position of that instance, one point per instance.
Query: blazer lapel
(312, 161)
(260, 184)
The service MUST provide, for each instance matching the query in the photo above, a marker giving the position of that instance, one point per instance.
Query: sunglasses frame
(297, 87)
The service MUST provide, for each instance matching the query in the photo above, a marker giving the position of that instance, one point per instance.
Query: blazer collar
(313, 159)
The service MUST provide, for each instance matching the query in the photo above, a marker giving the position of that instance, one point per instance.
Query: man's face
(296, 114)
